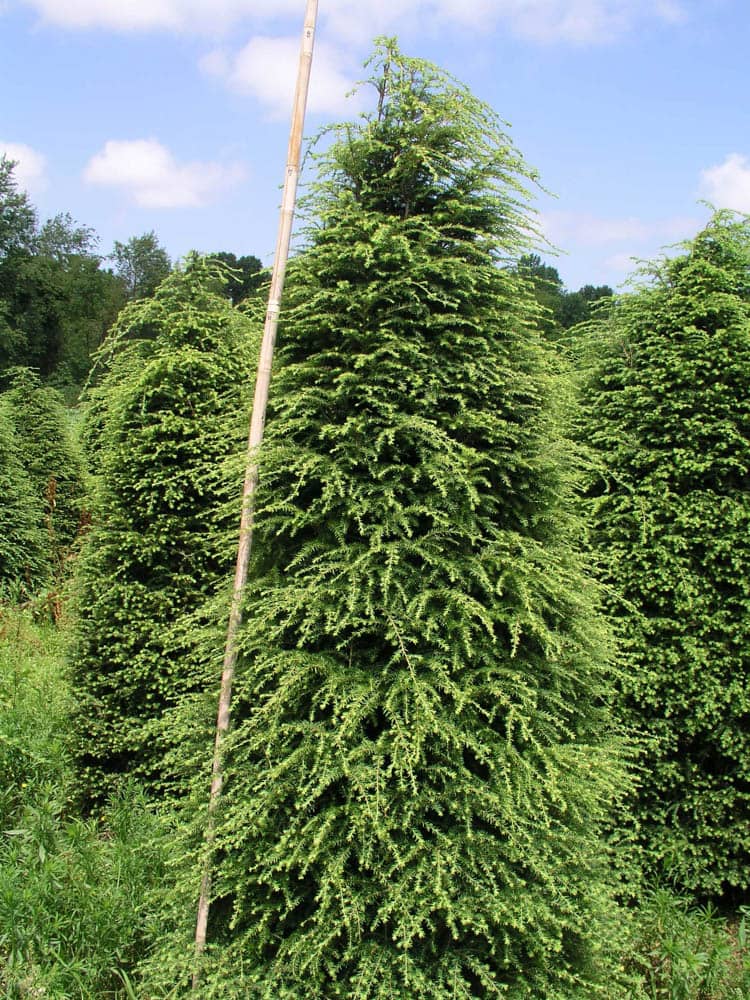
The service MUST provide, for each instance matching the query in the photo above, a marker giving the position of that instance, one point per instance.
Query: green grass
(72, 890)
(681, 951)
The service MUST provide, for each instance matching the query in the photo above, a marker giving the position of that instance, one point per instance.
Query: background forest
(491, 720)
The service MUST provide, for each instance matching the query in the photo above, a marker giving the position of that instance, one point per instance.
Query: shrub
(21, 515)
(52, 465)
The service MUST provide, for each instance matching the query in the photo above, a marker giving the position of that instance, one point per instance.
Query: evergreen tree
(161, 424)
(21, 515)
(421, 757)
(668, 408)
(51, 461)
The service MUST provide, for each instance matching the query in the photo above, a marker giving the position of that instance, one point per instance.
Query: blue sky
(172, 115)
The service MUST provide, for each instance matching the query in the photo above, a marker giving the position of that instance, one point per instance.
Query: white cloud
(140, 15)
(727, 185)
(567, 229)
(590, 230)
(147, 171)
(30, 169)
(267, 69)
(671, 11)
(580, 21)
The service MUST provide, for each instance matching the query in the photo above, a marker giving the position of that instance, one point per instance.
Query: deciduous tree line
(59, 295)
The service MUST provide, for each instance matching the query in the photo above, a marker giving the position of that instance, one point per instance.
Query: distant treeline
(59, 295)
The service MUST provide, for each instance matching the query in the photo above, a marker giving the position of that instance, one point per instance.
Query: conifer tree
(51, 461)
(161, 426)
(668, 409)
(22, 539)
(421, 756)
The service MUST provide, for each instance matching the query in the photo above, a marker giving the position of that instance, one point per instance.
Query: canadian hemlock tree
(667, 407)
(162, 424)
(422, 754)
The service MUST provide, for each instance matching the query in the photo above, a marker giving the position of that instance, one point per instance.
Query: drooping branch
(255, 439)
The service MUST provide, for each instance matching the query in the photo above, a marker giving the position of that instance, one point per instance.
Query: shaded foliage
(56, 301)
(244, 275)
(667, 408)
(166, 416)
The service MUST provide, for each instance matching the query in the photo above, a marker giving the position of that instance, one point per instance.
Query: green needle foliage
(668, 408)
(22, 539)
(168, 414)
(421, 758)
(53, 467)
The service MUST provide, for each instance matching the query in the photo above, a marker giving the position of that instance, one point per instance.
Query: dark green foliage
(51, 463)
(562, 310)
(421, 759)
(244, 276)
(576, 307)
(162, 423)
(548, 290)
(58, 309)
(22, 538)
(668, 408)
(56, 302)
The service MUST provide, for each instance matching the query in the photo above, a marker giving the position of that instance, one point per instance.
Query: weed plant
(72, 921)
(681, 951)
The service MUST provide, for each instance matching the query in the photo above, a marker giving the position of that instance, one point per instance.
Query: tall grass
(72, 889)
(681, 951)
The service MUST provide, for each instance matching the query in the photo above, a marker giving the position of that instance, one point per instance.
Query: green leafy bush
(422, 754)
(165, 419)
(668, 410)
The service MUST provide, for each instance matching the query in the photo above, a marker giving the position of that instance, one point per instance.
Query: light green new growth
(422, 754)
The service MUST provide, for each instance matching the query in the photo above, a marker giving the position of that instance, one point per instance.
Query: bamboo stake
(255, 439)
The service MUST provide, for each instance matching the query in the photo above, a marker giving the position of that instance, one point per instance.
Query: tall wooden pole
(255, 439)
